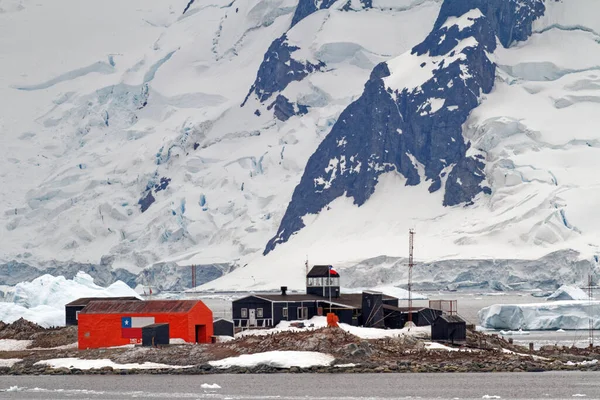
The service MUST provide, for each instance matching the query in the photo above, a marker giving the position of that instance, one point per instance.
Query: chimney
(284, 290)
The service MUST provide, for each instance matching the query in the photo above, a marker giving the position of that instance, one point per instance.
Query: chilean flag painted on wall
(131, 327)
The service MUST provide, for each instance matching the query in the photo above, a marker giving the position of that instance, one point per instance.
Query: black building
(72, 309)
(267, 310)
(155, 335)
(449, 329)
(397, 317)
(223, 327)
(324, 281)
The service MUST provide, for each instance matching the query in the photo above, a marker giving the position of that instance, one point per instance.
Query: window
(77, 315)
(285, 314)
(259, 313)
(302, 312)
(244, 313)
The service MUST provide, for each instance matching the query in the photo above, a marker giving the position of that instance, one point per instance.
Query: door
(252, 318)
(201, 334)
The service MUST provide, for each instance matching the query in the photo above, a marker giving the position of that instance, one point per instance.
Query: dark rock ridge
(307, 7)
(403, 129)
(279, 68)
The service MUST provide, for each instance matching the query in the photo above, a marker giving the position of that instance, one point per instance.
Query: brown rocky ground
(405, 354)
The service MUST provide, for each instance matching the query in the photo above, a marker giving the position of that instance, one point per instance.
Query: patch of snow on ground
(13, 344)
(79, 363)
(321, 322)
(9, 362)
(278, 359)
(439, 346)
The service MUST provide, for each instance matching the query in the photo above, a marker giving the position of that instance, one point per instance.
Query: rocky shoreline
(403, 354)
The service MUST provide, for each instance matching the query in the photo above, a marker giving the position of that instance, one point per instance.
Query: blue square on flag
(125, 322)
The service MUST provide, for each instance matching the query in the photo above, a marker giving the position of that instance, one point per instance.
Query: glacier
(43, 300)
(212, 132)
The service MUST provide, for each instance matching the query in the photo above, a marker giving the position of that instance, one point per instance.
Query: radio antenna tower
(590, 314)
(411, 234)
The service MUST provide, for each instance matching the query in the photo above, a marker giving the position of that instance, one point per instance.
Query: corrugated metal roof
(139, 307)
(452, 318)
(84, 301)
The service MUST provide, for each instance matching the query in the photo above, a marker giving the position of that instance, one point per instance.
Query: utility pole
(411, 234)
(193, 276)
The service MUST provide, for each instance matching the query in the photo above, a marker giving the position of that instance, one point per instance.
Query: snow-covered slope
(171, 133)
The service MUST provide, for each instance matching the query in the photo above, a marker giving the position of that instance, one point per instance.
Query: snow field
(78, 363)
(277, 359)
(321, 322)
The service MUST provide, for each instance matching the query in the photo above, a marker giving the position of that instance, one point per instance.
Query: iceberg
(567, 292)
(567, 314)
(43, 300)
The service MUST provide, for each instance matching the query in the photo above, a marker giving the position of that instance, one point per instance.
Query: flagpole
(329, 283)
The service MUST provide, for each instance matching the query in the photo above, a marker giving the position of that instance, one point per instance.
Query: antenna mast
(590, 315)
(411, 234)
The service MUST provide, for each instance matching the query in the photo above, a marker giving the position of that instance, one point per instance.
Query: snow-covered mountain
(248, 135)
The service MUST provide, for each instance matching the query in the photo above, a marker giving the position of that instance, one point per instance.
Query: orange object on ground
(332, 320)
(112, 323)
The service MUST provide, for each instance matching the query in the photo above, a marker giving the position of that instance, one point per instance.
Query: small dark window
(244, 313)
(259, 312)
(285, 314)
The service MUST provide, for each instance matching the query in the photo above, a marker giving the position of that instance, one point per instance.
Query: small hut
(449, 329)
(155, 335)
(223, 327)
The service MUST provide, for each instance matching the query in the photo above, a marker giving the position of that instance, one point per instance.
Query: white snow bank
(393, 291)
(89, 364)
(14, 344)
(438, 346)
(9, 362)
(572, 314)
(43, 300)
(45, 316)
(321, 322)
(278, 359)
(567, 292)
(584, 362)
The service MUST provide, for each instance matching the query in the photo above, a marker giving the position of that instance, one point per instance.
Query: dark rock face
(511, 20)
(283, 109)
(403, 129)
(279, 69)
(307, 7)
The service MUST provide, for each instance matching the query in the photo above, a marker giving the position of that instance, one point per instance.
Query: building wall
(251, 303)
(104, 330)
(71, 314)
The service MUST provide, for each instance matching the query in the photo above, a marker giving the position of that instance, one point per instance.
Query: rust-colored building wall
(104, 330)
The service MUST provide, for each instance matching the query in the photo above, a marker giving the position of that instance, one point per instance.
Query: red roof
(140, 307)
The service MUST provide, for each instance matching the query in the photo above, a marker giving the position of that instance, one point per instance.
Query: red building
(116, 323)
